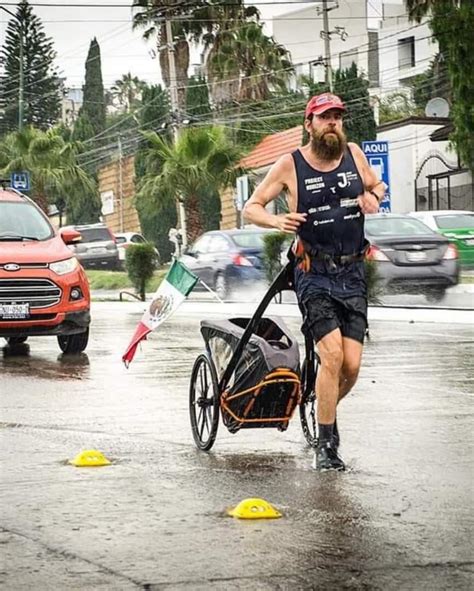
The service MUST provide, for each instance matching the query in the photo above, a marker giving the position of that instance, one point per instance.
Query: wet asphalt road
(401, 517)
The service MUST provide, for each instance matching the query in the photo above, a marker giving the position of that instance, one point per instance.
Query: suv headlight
(63, 267)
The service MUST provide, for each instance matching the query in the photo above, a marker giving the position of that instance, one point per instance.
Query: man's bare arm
(374, 188)
(272, 185)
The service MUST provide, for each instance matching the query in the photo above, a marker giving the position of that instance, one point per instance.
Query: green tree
(434, 82)
(93, 106)
(452, 24)
(82, 129)
(197, 98)
(41, 88)
(154, 221)
(203, 159)
(257, 61)
(149, 17)
(397, 105)
(128, 91)
(50, 160)
(140, 262)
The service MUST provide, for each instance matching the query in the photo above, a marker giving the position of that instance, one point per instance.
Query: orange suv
(43, 288)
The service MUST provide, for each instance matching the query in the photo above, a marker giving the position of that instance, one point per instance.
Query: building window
(347, 58)
(406, 53)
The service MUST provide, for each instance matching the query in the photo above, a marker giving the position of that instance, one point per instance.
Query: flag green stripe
(181, 278)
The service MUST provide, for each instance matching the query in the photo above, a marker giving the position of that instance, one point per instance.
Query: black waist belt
(332, 259)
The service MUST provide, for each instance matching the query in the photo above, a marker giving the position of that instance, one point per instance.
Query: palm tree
(203, 159)
(128, 90)
(149, 15)
(50, 160)
(204, 22)
(417, 9)
(257, 62)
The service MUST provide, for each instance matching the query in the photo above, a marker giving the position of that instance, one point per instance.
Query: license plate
(14, 311)
(98, 250)
(416, 257)
(470, 241)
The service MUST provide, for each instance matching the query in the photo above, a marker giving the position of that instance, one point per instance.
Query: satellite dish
(437, 107)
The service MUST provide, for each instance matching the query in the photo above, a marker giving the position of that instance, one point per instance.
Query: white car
(457, 226)
(125, 239)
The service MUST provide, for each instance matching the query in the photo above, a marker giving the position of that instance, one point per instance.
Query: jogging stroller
(250, 373)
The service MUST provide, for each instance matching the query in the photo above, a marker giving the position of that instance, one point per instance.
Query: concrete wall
(392, 76)
(229, 213)
(124, 217)
(409, 147)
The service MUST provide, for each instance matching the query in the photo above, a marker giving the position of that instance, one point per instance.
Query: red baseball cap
(322, 103)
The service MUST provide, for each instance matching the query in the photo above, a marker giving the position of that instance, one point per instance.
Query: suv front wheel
(73, 343)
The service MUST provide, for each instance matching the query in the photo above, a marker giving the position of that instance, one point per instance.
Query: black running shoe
(326, 458)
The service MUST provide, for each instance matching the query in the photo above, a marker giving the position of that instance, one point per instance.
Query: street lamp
(21, 74)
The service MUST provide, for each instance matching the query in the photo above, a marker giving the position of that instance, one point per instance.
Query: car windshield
(249, 239)
(396, 226)
(120, 239)
(456, 221)
(95, 235)
(22, 220)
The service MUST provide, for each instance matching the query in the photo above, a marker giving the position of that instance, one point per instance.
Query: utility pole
(175, 111)
(120, 155)
(21, 81)
(327, 45)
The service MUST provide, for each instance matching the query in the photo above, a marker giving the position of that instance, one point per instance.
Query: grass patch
(118, 280)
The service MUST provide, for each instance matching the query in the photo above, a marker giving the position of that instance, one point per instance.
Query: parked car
(125, 239)
(411, 258)
(43, 288)
(97, 249)
(227, 259)
(457, 226)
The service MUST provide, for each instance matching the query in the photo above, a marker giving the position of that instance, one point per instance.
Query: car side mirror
(70, 236)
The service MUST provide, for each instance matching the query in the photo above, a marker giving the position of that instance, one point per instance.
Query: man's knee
(350, 369)
(332, 358)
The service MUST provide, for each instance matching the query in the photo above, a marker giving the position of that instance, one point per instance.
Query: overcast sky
(122, 50)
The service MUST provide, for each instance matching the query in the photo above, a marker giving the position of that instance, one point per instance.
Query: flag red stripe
(139, 335)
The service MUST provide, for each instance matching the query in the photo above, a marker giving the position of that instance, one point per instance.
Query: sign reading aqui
(377, 155)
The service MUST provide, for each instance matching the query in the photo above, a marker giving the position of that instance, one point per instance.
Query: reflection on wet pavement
(399, 518)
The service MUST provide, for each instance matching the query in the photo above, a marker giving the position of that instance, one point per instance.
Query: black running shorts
(324, 313)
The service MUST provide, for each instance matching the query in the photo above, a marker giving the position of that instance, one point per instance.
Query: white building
(405, 50)
(70, 105)
(350, 40)
(424, 171)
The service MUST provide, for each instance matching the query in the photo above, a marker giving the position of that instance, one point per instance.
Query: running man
(329, 187)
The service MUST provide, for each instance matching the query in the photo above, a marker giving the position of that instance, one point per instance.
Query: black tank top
(335, 226)
(335, 223)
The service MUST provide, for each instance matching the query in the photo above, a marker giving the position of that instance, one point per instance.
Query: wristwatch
(378, 197)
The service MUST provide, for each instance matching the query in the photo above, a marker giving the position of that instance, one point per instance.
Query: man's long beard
(328, 144)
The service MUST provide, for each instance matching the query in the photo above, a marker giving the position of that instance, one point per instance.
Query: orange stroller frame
(250, 375)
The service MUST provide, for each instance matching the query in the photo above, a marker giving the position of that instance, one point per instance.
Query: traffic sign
(242, 187)
(20, 181)
(378, 158)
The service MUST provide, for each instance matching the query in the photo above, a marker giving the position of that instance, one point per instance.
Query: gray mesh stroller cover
(264, 388)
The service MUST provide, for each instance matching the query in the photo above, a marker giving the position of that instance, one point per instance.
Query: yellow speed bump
(89, 458)
(254, 509)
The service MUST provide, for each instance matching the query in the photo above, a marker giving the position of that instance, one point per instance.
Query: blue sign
(377, 155)
(20, 181)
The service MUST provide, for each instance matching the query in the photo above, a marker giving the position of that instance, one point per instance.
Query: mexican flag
(173, 290)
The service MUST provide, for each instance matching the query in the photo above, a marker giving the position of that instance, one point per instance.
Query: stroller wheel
(204, 403)
(308, 404)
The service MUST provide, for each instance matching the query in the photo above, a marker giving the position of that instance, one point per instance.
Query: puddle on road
(18, 360)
